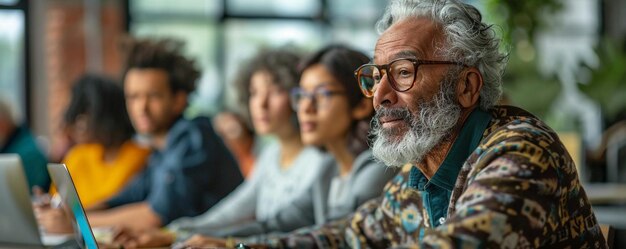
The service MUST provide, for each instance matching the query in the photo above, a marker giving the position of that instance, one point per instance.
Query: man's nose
(141, 104)
(384, 93)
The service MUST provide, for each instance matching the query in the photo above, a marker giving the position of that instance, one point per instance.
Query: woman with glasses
(334, 115)
(278, 195)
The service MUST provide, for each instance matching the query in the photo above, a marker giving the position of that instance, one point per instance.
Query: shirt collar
(464, 145)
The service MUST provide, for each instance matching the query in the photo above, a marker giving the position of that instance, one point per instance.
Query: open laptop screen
(65, 187)
(17, 221)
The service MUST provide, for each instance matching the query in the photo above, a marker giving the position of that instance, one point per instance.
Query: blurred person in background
(334, 115)
(239, 139)
(17, 138)
(189, 169)
(105, 158)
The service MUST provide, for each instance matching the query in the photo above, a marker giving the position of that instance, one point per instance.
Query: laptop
(18, 226)
(72, 205)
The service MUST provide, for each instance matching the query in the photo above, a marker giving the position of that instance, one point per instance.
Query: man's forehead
(413, 54)
(412, 38)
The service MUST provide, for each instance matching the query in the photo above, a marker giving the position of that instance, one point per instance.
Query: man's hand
(142, 239)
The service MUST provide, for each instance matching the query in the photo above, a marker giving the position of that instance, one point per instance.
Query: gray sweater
(341, 196)
(344, 194)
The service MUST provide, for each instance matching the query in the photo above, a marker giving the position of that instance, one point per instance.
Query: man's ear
(180, 101)
(468, 89)
(363, 109)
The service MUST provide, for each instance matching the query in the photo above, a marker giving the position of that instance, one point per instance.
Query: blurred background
(567, 60)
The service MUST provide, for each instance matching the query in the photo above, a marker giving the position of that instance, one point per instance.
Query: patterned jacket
(518, 189)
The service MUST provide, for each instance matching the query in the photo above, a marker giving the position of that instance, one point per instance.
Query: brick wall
(65, 53)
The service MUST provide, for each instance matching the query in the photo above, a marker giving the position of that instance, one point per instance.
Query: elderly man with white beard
(474, 175)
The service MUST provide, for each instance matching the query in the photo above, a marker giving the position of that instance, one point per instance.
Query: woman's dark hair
(101, 100)
(164, 54)
(341, 62)
(280, 64)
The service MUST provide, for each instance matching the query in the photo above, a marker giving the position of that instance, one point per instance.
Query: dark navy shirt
(192, 173)
(436, 192)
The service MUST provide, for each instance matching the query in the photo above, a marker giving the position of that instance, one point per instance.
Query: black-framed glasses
(319, 97)
(400, 73)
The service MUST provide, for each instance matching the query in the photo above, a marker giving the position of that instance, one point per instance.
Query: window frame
(23, 6)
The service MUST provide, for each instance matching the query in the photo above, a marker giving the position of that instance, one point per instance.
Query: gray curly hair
(468, 39)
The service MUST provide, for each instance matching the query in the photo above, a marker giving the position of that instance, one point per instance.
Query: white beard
(426, 129)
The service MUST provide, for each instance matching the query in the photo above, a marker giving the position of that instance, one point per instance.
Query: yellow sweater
(97, 180)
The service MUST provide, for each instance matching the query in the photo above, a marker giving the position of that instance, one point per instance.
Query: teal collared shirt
(436, 192)
(23, 143)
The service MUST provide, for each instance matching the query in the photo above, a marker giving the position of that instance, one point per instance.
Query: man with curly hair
(189, 169)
